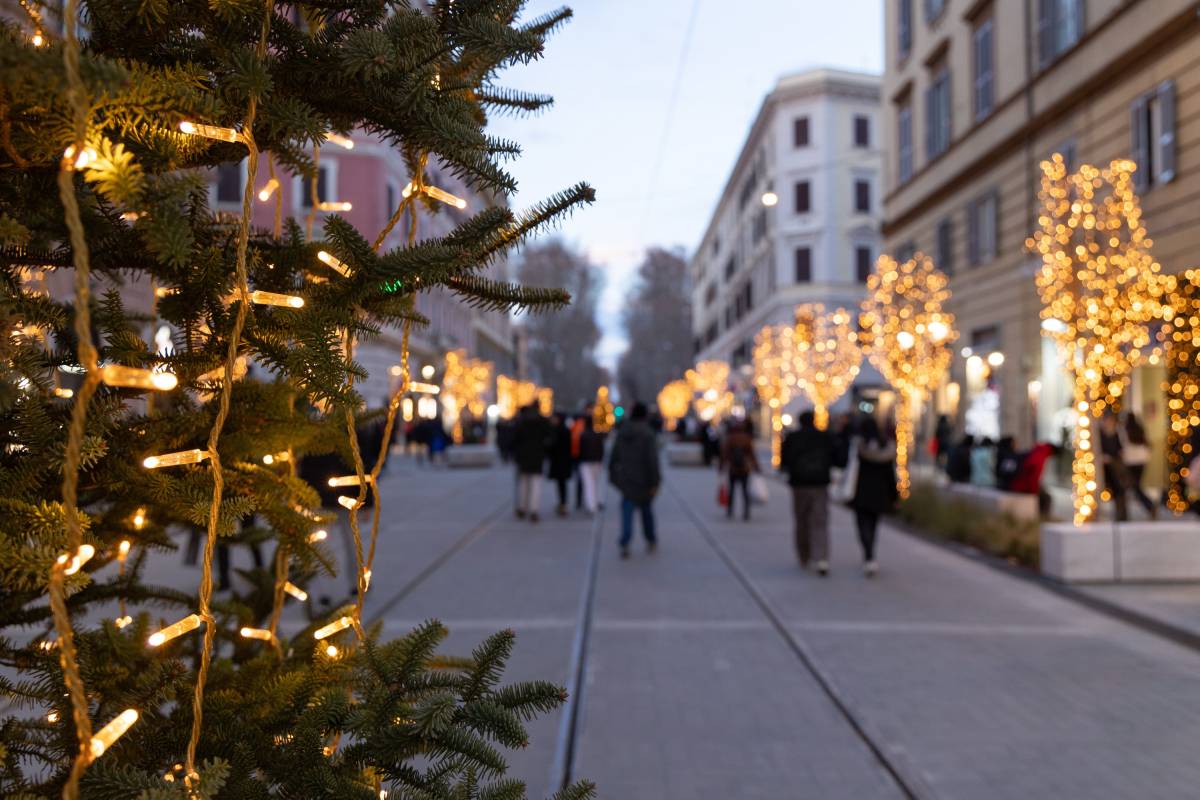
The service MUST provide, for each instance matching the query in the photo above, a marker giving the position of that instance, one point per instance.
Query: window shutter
(1166, 143)
(995, 198)
(930, 120)
(1045, 32)
(1139, 136)
(1079, 9)
(972, 233)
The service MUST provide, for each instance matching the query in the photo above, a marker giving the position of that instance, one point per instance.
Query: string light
(347, 502)
(125, 544)
(262, 298)
(710, 383)
(137, 378)
(907, 336)
(66, 394)
(52, 717)
(211, 132)
(339, 140)
(264, 194)
(366, 579)
(333, 263)
(257, 633)
(280, 458)
(421, 387)
(37, 40)
(437, 194)
(348, 480)
(295, 591)
(165, 291)
(604, 415)
(317, 536)
(331, 650)
(1099, 287)
(334, 205)
(106, 736)
(1181, 335)
(74, 561)
(180, 458)
(826, 357)
(773, 377)
(185, 625)
(336, 626)
(674, 400)
(124, 621)
(464, 384)
(86, 157)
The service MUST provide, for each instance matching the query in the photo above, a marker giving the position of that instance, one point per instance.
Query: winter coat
(958, 463)
(561, 464)
(633, 464)
(737, 454)
(1028, 479)
(530, 439)
(807, 455)
(876, 490)
(983, 465)
(591, 447)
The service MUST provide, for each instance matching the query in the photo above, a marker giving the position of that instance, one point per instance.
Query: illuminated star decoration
(1099, 287)
(907, 334)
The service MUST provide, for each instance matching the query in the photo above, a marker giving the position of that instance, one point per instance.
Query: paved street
(942, 678)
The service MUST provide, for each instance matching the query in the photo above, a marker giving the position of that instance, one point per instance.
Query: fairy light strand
(826, 356)
(773, 378)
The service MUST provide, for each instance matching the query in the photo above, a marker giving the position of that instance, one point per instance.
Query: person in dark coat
(530, 439)
(633, 469)
(807, 456)
(738, 462)
(591, 456)
(875, 491)
(562, 465)
(943, 437)
(958, 460)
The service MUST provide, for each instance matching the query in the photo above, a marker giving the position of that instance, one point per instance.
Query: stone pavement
(969, 682)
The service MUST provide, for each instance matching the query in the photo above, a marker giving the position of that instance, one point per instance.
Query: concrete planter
(1018, 506)
(1107, 552)
(471, 456)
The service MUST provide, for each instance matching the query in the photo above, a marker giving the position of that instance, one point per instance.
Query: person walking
(875, 491)
(562, 466)
(591, 456)
(738, 462)
(1135, 452)
(983, 463)
(633, 469)
(807, 455)
(530, 437)
(958, 460)
(1112, 457)
(578, 425)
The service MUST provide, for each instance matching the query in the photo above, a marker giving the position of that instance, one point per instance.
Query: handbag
(722, 494)
(759, 492)
(843, 491)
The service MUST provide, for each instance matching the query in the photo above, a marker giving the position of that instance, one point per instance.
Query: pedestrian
(807, 455)
(530, 437)
(591, 456)
(561, 466)
(958, 460)
(709, 446)
(1008, 463)
(633, 469)
(738, 462)
(577, 427)
(875, 491)
(1135, 452)
(983, 463)
(1113, 460)
(943, 437)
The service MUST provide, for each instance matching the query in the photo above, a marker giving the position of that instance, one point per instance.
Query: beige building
(976, 94)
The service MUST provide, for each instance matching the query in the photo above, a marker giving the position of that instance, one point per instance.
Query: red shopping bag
(722, 494)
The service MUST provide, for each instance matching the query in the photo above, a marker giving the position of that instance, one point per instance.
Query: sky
(653, 100)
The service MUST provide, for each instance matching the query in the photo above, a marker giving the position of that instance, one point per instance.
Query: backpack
(811, 468)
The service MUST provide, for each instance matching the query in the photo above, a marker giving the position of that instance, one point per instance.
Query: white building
(798, 219)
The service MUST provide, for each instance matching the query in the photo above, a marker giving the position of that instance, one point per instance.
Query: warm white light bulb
(336, 626)
(106, 736)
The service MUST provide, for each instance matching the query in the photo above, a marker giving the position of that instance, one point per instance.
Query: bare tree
(561, 345)
(658, 323)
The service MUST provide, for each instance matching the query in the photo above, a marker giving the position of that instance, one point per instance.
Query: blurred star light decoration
(907, 334)
(773, 377)
(710, 385)
(1099, 287)
(674, 401)
(826, 357)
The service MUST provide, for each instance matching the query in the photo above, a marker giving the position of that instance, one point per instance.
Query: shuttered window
(803, 265)
(945, 246)
(1153, 137)
(1060, 25)
(984, 71)
(904, 142)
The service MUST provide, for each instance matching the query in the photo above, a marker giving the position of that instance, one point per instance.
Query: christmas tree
(103, 142)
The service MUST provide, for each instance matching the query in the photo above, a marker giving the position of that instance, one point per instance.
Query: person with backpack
(738, 462)
(807, 455)
(633, 469)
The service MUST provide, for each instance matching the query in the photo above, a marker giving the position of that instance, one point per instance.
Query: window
(862, 131)
(803, 197)
(945, 245)
(984, 70)
(716, 245)
(934, 9)
(803, 265)
(862, 196)
(730, 268)
(862, 263)
(1153, 135)
(937, 113)
(710, 294)
(904, 143)
(323, 193)
(1060, 26)
(904, 27)
(800, 132)
(983, 216)
(758, 227)
(229, 183)
(748, 297)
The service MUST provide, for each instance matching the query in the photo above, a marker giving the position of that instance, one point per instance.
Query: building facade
(977, 93)
(798, 219)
